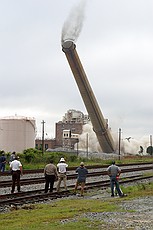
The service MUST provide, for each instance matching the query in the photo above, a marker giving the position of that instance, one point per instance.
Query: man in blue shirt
(81, 178)
(2, 162)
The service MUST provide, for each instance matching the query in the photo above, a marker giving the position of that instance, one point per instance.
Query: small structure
(69, 139)
(48, 144)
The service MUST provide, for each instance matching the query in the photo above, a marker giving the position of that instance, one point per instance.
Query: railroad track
(34, 171)
(70, 186)
(39, 195)
(72, 176)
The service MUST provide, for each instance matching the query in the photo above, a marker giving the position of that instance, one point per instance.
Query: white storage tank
(17, 133)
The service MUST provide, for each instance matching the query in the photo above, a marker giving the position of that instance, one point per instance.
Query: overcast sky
(115, 47)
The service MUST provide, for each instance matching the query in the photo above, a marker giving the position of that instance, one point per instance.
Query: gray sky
(115, 47)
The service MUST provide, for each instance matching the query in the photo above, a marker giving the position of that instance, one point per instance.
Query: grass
(67, 213)
(52, 216)
(140, 189)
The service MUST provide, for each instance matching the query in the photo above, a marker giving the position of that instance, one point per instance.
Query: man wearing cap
(81, 179)
(114, 171)
(62, 173)
(12, 157)
(16, 168)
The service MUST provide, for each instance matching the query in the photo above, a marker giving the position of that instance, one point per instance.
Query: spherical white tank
(17, 133)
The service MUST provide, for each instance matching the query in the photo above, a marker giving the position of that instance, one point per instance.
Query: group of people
(15, 168)
(53, 173)
(3, 160)
(57, 173)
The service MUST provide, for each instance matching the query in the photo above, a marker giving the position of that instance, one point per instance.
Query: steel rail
(33, 171)
(22, 198)
(42, 190)
(71, 176)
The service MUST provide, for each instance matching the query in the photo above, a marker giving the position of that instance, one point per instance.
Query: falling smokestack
(99, 124)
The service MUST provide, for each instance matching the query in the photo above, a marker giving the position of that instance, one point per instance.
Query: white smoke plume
(131, 146)
(73, 25)
(92, 142)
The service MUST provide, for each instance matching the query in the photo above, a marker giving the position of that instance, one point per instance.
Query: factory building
(48, 143)
(68, 130)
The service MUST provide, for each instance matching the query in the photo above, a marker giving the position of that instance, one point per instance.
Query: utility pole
(43, 123)
(77, 147)
(119, 143)
(151, 143)
(87, 145)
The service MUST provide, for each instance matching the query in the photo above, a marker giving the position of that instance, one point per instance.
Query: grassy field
(66, 214)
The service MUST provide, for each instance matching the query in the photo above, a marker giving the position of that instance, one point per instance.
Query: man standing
(114, 171)
(16, 168)
(12, 157)
(62, 173)
(2, 162)
(50, 172)
(81, 179)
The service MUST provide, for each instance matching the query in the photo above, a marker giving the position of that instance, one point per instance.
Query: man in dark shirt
(2, 162)
(81, 179)
(51, 175)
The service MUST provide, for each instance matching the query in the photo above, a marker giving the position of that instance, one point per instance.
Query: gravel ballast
(136, 214)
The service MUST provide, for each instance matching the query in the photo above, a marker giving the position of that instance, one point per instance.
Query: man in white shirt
(62, 173)
(16, 169)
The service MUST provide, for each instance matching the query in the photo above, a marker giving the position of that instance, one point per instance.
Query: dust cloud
(89, 140)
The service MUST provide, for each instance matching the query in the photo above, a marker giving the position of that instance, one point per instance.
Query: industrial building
(17, 133)
(67, 131)
(48, 143)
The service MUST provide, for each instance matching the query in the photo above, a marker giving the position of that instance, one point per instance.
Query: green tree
(150, 150)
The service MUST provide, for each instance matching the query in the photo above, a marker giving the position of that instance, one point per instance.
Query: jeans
(114, 181)
(2, 167)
